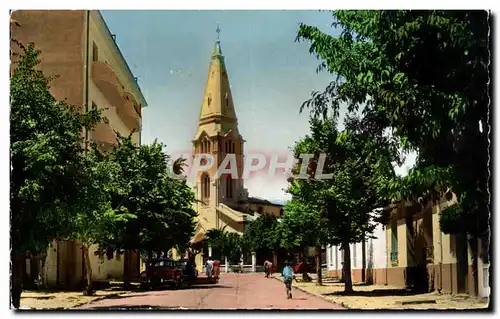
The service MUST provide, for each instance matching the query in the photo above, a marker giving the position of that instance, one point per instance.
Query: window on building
(229, 187)
(95, 52)
(209, 100)
(205, 187)
(394, 240)
(260, 210)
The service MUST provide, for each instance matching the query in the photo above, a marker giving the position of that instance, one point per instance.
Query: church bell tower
(218, 135)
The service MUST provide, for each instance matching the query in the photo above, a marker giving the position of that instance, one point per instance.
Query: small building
(78, 48)
(411, 250)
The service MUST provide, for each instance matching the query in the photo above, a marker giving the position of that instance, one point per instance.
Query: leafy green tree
(425, 74)
(260, 235)
(342, 209)
(161, 203)
(46, 153)
(95, 219)
(228, 244)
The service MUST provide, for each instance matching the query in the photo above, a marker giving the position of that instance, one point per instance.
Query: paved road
(234, 291)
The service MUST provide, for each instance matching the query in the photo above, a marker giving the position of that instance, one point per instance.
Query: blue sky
(270, 75)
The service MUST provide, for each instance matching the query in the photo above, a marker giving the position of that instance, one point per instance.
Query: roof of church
(261, 201)
(217, 111)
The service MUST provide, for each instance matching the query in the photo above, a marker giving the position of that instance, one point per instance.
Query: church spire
(217, 114)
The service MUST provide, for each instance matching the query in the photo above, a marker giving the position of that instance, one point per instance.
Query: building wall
(59, 34)
(101, 42)
(376, 260)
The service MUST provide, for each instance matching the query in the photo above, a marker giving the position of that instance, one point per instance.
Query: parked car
(189, 271)
(162, 271)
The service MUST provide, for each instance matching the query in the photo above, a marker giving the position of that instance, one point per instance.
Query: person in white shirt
(209, 267)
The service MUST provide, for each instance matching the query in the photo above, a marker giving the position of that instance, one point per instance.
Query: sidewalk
(372, 297)
(52, 299)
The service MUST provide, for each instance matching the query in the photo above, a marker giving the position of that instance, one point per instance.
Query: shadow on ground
(374, 293)
(130, 307)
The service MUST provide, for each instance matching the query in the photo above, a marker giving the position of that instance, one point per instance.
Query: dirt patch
(387, 297)
(61, 300)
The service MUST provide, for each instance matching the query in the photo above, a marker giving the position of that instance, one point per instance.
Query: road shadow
(194, 287)
(374, 293)
(130, 307)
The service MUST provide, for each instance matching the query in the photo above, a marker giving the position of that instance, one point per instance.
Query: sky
(270, 74)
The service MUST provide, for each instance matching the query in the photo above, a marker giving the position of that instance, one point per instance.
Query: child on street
(287, 274)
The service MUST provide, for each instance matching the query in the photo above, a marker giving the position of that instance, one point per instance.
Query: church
(223, 202)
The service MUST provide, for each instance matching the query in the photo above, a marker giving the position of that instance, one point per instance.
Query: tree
(95, 219)
(162, 204)
(228, 244)
(46, 153)
(426, 76)
(260, 235)
(342, 209)
(303, 227)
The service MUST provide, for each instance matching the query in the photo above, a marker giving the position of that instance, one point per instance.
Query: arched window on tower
(227, 99)
(209, 100)
(205, 187)
(229, 187)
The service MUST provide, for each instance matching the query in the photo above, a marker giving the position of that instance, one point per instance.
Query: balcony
(107, 82)
(103, 134)
(130, 112)
(126, 106)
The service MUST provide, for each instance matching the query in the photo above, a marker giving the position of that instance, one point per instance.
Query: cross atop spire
(218, 32)
(217, 50)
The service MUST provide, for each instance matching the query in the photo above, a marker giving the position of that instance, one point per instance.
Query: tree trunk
(150, 258)
(89, 291)
(16, 278)
(347, 267)
(126, 269)
(474, 252)
(363, 260)
(319, 282)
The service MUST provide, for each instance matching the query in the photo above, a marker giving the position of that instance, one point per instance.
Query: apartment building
(90, 72)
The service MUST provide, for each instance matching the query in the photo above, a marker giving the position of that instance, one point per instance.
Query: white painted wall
(335, 256)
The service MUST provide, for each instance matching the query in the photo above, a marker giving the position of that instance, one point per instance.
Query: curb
(314, 294)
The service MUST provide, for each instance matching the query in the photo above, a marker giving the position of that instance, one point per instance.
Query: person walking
(288, 275)
(209, 266)
(268, 268)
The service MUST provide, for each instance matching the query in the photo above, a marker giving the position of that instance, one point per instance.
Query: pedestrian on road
(268, 268)
(287, 274)
(209, 266)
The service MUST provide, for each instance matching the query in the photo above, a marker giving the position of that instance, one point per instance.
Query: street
(234, 291)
